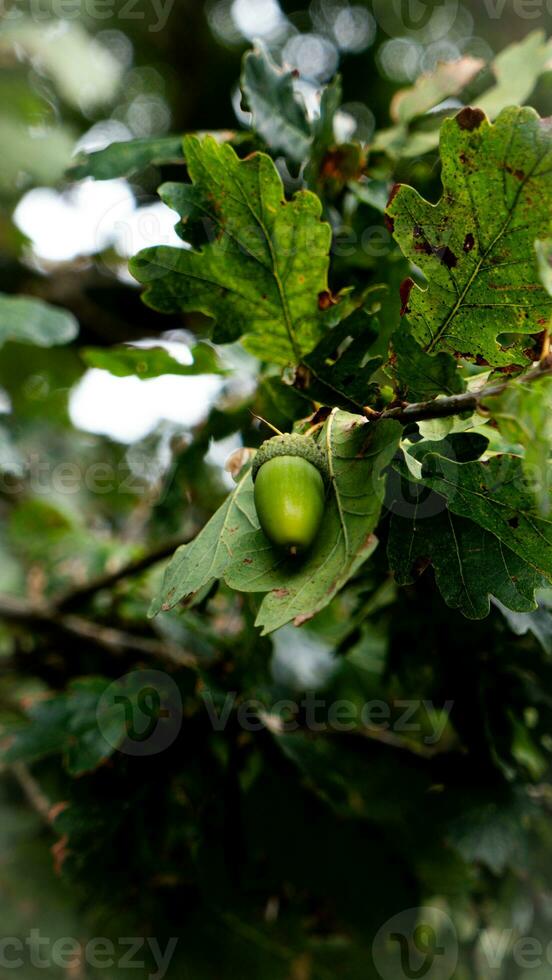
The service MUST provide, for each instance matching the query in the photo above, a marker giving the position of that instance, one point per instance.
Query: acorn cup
(290, 474)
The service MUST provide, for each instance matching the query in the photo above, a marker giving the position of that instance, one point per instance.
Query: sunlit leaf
(476, 246)
(263, 273)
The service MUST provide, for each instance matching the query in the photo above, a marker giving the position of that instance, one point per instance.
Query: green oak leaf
(195, 566)
(261, 275)
(31, 321)
(126, 158)
(75, 724)
(523, 413)
(494, 494)
(421, 376)
(358, 452)
(323, 136)
(469, 563)
(152, 362)
(278, 112)
(476, 246)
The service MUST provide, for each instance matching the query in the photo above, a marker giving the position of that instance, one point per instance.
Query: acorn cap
(291, 444)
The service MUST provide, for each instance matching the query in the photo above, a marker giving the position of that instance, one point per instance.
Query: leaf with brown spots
(476, 246)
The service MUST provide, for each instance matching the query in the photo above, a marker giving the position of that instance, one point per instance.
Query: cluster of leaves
(428, 585)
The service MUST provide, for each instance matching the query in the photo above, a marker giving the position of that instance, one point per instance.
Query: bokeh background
(77, 76)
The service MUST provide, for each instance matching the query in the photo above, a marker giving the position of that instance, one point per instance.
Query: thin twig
(277, 726)
(80, 593)
(32, 791)
(468, 401)
(116, 641)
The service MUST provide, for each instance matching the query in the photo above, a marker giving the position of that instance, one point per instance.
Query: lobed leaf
(494, 494)
(469, 563)
(195, 566)
(421, 376)
(261, 275)
(476, 246)
(232, 546)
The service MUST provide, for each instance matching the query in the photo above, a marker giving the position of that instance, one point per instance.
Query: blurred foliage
(273, 835)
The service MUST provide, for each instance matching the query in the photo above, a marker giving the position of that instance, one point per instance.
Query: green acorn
(290, 474)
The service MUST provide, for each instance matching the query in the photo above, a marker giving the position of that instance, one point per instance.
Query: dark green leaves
(266, 263)
(469, 564)
(340, 366)
(420, 376)
(479, 531)
(30, 321)
(476, 246)
(196, 566)
(69, 725)
(233, 547)
(495, 495)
